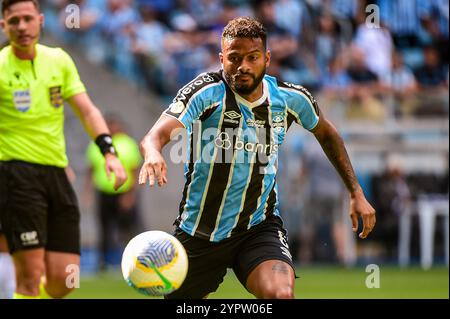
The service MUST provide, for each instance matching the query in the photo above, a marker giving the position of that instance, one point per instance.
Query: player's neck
(255, 95)
(28, 53)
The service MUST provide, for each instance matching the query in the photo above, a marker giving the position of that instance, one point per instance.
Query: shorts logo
(56, 98)
(176, 107)
(29, 238)
(285, 248)
(22, 100)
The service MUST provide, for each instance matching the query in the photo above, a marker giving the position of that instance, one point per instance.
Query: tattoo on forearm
(280, 267)
(334, 148)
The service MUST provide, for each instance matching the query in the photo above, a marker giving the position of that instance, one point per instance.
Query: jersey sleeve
(72, 81)
(194, 98)
(302, 108)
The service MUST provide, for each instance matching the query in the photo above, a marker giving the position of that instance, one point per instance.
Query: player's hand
(360, 207)
(114, 166)
(153, 169)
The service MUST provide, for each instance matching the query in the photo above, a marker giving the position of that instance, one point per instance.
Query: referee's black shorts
(38, 208)
(208, 261)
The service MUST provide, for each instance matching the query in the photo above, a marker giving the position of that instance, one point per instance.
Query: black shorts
(208, 261)
(38, 208)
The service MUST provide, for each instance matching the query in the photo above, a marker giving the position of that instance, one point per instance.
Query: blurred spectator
(322, 227)
(291, 15)
(329, 42)
(392, 198)
(402, 17)
(432, 79)
(206, 12)
(367, 39)
(148, 49)
(363, 91)
(335, 89)
(117, 210)
(187, 48)
(400, 84)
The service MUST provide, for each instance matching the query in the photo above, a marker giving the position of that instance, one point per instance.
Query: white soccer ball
(154, 263)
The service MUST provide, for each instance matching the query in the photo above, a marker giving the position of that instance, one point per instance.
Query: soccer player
(38, 208)
(236, 119)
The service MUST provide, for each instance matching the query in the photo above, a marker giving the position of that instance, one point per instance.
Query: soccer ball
(154, 263)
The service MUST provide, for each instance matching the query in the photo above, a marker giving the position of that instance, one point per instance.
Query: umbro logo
(231, 117)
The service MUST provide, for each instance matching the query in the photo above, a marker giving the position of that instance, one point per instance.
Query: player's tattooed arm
(333, 146)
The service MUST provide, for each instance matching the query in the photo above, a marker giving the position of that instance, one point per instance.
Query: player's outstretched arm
(154, 167)
(96, 127)
(334, 148)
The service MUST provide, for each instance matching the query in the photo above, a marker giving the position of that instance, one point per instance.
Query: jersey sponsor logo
(192, 87)
(177, 107)
(22, 100)
(29, 238)
(255, 123)
(56, 98)
(224, 140)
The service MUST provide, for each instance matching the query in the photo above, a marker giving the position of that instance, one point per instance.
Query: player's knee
(278, 292)
(57, 287)
(29, 278)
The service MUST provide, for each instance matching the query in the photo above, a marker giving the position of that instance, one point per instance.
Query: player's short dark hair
(245, 27)
(6, 4)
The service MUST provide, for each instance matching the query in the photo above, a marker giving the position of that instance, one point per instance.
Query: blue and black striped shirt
(230, 176)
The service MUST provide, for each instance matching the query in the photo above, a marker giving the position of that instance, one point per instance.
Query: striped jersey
(230, 174)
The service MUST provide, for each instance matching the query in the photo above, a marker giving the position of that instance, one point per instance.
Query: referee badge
(56, 98)
(22, 100)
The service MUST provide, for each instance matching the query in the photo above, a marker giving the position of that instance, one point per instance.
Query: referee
(38, 207)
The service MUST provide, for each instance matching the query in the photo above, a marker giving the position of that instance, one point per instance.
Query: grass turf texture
(314, 283)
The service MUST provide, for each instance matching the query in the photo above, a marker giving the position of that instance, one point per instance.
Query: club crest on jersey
(176, 107)
(278, 122)
(22, 100)
(56, 98)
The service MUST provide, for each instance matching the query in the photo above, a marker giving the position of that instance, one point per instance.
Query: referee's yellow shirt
(31, 105)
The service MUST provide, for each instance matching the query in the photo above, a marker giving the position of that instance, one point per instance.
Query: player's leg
(30, 267)
(23, 213)
(62, 257)
(263, 263)
(207, 267)
(7, 273)
(62, 273)
(272, 279)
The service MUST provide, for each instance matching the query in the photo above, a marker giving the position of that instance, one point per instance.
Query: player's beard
(244, 88)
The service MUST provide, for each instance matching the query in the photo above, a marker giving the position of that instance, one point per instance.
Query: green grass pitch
(325, 282)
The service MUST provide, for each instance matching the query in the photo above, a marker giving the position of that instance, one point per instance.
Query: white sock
(7, 276)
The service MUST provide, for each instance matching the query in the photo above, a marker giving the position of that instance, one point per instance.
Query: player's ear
(41, 19)
(221, 58)
(2, 24)
(267, 58)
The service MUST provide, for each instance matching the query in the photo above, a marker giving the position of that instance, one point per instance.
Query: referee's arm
(95, 125)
